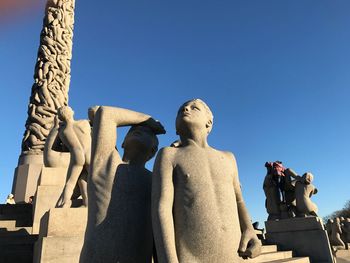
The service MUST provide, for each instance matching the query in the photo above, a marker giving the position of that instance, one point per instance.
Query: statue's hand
(155, 125)
(250, 245)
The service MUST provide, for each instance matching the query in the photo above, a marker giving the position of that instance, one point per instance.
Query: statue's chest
(198, 170)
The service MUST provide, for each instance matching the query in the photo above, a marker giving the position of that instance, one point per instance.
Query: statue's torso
(205, 211)
(119, 225)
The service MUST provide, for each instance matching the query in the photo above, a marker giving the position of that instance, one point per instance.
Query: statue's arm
(250, 245)
(162, 207)
(105, 122)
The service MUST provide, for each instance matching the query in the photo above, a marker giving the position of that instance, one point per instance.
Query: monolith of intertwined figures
(49, 92)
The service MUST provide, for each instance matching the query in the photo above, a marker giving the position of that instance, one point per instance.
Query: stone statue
(346, 230)
(272, 194)
(51, 75)
(119, 227)
(335, 238)
(291, 178)
(56, 154)
(303, 192)
(328, 227)
(69, 145)
(76, 136)
(196, 197)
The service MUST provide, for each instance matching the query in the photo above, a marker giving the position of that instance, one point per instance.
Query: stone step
(268, 248)
(15, 231)
(14, 223)
(16, 253)
(293, 260)
(21, 214)
(14, 210)
(18, 240)
(270, 256)
(17, 249)
(7, 223)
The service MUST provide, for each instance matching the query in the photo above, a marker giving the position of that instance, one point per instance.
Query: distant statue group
(190, 209)
(338, 230)
(288, 194)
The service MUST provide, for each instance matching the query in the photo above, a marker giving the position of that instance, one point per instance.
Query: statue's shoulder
(229, 155)
(168, 150)
(167, 153)
(83, 124)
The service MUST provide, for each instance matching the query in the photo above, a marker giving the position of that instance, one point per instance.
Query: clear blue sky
(275, 73)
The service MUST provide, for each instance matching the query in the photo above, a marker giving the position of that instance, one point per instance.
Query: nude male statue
(76, 136)
(198, 212)
(119, 227)
(68, 145)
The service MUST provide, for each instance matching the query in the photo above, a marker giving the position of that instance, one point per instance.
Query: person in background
(10, 199)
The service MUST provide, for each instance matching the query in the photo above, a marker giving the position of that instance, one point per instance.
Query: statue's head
(308, 178)
(194, 114)
(140, 142)
(65, 113)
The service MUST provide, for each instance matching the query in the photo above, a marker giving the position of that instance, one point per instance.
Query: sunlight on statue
(198, 212)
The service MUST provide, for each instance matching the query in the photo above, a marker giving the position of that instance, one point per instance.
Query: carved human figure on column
(198, 212)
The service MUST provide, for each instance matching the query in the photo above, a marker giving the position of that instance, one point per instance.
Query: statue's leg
(75, 168)
(73, 173)
(83, 187)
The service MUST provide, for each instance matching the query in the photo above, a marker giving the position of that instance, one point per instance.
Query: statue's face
(308, 178)
(139, 139)
(192, 114)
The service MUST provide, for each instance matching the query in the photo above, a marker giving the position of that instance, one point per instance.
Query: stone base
(51, 184)
(60, 222)
(25, 181)
(61, 236)
(45, 199)
(58, 249)
(305, 236)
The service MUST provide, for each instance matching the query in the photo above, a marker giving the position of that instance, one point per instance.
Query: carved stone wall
(51, 74)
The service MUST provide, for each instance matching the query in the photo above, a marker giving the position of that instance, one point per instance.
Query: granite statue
(346, 230)
(335, 237)
(198, 212)
(76, 136)
(272, 193)
(304, 189)
(119, 227)
(51, 74)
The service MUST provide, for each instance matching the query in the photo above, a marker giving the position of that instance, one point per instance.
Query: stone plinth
(61, 236)
(51, 184)
(26, 181)
(66, 222)
(58, 249)
(305, 236)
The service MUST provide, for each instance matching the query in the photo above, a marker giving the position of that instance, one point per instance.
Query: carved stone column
(49, 92)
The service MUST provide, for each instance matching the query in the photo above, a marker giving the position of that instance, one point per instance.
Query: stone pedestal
(61, 236)
(25, 180)
(51, 184)
(305, 236)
